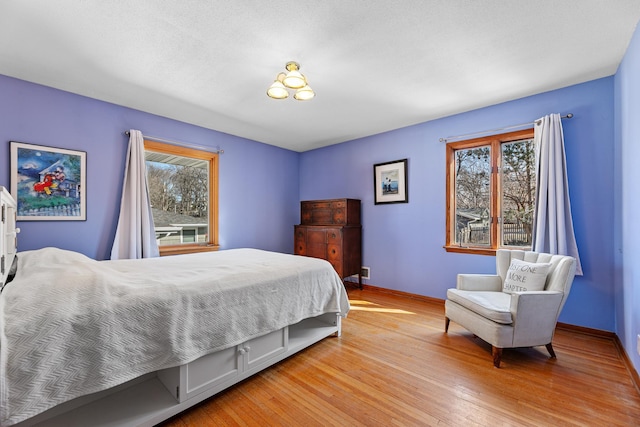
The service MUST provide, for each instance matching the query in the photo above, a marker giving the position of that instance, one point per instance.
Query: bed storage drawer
(261, 350)
(209, 370)
(217, 370)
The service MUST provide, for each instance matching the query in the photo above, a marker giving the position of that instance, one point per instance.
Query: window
(183, 188)
(491, 187)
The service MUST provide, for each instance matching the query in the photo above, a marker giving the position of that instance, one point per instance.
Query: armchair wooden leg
(550, 350)
(446, 324)
(497, 356)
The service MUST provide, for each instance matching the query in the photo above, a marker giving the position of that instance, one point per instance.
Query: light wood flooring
(394, 366)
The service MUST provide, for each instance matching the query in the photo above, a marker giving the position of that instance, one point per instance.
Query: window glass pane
(179, 192)
(518, 192)
(473, 196)
(188, 236)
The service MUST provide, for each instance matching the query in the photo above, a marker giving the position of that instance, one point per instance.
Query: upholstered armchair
(517, 307)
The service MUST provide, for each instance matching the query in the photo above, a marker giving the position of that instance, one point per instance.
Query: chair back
(561, 273)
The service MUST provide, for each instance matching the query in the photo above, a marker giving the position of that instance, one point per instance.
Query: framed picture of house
(390, 182)
(49, 184)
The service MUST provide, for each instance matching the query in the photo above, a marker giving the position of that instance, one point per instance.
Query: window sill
(470, 250)
(482, 251)
(187, 249)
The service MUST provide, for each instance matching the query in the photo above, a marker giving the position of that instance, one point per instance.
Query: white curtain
(135, 235)
(553, 226)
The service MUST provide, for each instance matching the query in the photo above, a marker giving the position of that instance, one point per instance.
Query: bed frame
(8, 233)
(155, 397)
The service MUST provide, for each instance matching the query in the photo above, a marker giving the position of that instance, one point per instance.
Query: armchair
(507, 315)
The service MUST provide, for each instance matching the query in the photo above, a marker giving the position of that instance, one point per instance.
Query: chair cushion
(525, 276)
(492, 305)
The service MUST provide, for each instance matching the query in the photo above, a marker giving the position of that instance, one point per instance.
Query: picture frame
(390, 182)
(48, 183)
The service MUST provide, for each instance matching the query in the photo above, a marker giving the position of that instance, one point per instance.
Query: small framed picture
(48, 183)
(390, 182)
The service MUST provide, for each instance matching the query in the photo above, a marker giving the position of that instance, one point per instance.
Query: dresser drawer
(334, 252)
(318, 204)
(316, 236)
(338, 216)
(316, 243)
(315, 212)
(330, 212)
(334, 236)
(300, 240)
(300, 247)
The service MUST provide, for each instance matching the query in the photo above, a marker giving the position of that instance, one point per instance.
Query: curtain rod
(490, 131)
(217, 150)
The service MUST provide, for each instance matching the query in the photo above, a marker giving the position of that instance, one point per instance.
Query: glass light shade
(304, 93)
(294, 80)
(277, 90)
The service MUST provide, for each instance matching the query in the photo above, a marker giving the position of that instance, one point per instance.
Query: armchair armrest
(535, 314)
(479, 282)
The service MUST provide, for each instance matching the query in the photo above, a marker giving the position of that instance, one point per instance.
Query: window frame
(212, 158)
(495, 142)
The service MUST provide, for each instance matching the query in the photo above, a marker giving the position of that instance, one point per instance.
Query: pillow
(525, 276)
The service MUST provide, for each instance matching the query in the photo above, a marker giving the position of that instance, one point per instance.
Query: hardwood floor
(394, 365)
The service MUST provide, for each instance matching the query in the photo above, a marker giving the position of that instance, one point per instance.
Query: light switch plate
(638, 343)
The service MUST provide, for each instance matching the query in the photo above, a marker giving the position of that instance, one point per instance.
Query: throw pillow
(525, 276)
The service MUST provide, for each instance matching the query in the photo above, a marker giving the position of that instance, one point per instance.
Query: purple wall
(403, 242)
(627, 232)
(258, 183)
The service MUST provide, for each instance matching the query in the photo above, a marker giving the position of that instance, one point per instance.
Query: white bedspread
(70, 325)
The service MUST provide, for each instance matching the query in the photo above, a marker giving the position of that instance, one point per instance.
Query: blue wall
(627, 102)
(403, 243)
(258, 183)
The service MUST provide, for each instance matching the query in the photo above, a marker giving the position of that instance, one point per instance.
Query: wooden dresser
(331, 230)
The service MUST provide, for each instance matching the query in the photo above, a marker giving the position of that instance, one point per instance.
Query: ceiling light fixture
(293, 79)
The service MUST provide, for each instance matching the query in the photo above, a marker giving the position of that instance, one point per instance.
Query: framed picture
(48, 183)
(390, 182)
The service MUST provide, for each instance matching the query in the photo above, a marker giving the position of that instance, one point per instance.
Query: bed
(134, 342)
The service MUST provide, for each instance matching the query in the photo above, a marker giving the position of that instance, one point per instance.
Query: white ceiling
(375, 65)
